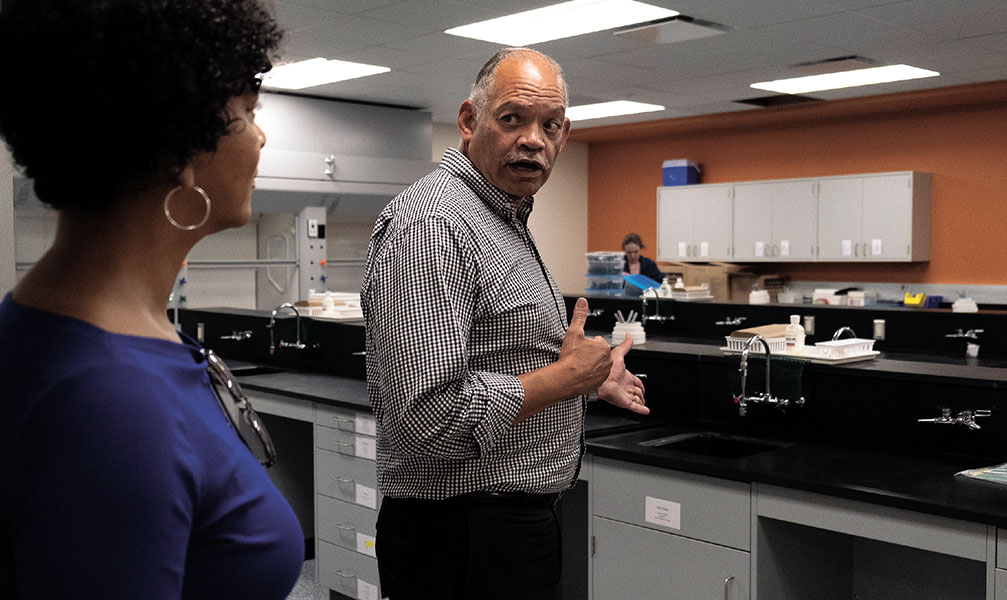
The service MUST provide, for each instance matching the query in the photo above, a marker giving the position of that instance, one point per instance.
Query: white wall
(559, 221)
(6, 221)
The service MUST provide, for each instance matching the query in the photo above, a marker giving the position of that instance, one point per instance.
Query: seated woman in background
(123, 475)
(636, 263)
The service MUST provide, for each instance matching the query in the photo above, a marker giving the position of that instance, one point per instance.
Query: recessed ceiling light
(317, 71)
(561, 21)
(609, 109)
(844, 79)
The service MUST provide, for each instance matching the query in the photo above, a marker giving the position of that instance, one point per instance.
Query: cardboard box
(728, 282)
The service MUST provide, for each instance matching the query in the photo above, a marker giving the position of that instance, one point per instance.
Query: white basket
(690, 294)
(845, 348)
(776, 345)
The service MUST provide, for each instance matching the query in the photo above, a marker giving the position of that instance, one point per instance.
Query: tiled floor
(306, 588)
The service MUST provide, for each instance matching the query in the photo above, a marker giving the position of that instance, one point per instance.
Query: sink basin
(713, 444)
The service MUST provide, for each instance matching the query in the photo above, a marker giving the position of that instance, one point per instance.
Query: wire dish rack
(847, 348)
(736, 344)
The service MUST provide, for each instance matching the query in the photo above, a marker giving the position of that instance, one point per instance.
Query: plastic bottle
(794, 335)
(665, 291)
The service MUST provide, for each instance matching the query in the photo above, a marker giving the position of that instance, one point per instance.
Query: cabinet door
(795, 220)
(753, 221)
(635, 562)
(840, 217)
(713, 227)
(888, 216)
(674, 222)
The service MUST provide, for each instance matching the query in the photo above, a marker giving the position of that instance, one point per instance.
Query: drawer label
(366, 448)
(367, 496)
(366, 591)
(365, 544)
(365, 424)
(664, 513)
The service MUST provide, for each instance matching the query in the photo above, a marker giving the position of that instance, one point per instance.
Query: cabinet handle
(342, 420)
(344, 444)
(856, 249)
(342, 527)
(343, 479)
(346, 574)
(727, 587)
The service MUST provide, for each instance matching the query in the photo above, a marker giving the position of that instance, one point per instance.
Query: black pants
(474, 547)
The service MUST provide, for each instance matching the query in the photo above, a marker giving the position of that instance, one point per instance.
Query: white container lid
(680, 162)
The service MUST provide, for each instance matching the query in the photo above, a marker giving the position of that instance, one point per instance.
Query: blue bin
(680, 172)
(635, 284)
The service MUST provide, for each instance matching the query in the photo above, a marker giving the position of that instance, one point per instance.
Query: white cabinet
(694, 223)
(873, 217)
(880, 217)
(775, 221)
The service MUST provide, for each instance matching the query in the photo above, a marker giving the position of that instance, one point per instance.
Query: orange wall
(957, 134)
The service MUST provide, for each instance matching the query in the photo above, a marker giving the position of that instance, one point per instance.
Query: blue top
(648, 268)
(121, 477)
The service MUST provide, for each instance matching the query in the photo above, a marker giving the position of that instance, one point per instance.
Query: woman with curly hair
(123, 477)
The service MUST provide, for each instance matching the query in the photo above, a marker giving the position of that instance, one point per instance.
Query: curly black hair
(104, 95)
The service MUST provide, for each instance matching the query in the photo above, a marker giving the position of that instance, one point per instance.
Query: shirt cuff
(504, 397)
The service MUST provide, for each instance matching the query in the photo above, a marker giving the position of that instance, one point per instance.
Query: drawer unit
(345, 442)
(346, 419)
(348, 572)
(704, 508)
(1002, 548)
(346, 478)
(1001, 585)
(282, 406)
(346, 525)
(637, 562)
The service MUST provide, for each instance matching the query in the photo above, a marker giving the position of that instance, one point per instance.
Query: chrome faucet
(732, 321)
(238, 336)
(966, 418)
(766, 397)
(971, 334)
(272, 327)
(657, 308)
(839, 333)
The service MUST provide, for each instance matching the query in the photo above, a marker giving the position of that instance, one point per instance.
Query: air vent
(673, 29)
(835, 65)
(781, 100)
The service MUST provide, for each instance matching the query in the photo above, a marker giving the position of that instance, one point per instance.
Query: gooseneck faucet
(272, 327)
(657, 308)
(839, 333)
(766, 397)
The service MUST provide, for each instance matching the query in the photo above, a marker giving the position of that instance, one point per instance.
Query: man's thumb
(579, 315)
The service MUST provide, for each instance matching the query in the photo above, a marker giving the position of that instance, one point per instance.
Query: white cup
(635, 328)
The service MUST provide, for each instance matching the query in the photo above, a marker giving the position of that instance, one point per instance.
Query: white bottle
(794, 335)
(665, 291)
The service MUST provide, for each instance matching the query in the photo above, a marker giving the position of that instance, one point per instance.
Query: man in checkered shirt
(477, 383)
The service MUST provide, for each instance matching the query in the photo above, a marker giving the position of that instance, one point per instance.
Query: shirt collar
(459, 165)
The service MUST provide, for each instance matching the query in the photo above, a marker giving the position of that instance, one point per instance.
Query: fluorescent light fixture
(317, 71)
(561, 21)
(609, 109)
(844, 79)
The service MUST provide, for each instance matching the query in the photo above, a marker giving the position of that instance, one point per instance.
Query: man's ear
(466, 121)
(566, 134)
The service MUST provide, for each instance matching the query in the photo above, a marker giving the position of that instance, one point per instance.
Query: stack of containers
(604, 273)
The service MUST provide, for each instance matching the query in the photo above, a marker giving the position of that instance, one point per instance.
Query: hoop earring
(167, 211)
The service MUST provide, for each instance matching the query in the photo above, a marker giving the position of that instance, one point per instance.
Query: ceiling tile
(344, 6)
(426, 16)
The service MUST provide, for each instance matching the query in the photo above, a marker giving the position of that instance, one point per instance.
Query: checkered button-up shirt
(458, 303)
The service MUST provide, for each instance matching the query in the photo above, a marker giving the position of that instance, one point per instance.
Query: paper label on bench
(367, 496)
(365, 448)
(365, 544)
(365, 424)
(664, 513)
(366, 591)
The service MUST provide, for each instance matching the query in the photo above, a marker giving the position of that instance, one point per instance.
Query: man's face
(514, 144)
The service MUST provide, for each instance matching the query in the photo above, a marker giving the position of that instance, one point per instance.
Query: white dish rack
(776, 345)
(847, 348)
(703, 294)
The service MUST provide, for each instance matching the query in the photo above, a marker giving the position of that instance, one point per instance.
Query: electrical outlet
(312, 228)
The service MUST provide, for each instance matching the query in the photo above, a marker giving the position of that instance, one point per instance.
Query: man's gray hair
(482, 89)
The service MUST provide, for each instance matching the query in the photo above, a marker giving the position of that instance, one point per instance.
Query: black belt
(511, 498)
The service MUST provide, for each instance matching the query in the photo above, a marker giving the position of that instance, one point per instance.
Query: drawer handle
(343, 479)
(342, 527)
(727, 587)
(342, 420)
(346, 574)
(344, 444)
